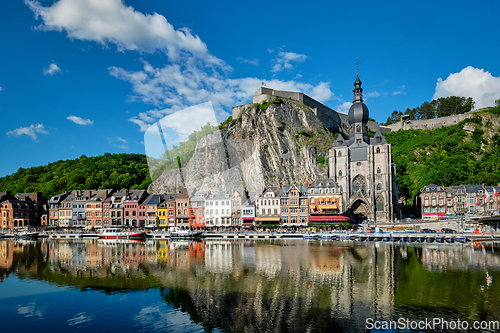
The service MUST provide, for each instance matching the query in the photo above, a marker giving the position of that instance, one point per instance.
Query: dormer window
(378, 139)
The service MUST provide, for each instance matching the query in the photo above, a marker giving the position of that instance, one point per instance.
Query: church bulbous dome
(358, 113)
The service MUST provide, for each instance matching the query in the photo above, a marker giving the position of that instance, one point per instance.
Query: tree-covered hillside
(107, 171)
(466, 153)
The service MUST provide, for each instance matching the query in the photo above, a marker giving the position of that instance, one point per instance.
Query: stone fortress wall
(429, 123)
(331, 119)
(334, 120)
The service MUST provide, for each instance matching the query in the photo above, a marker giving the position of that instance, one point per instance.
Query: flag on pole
(486, 195)
(263, 84)
(495, 193)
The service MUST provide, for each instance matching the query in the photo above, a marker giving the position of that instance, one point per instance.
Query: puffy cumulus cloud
(284, 60)
(79, 120)
(53, 68)
(174, 87)
(470, 82)
(31, 131)
(111, 21)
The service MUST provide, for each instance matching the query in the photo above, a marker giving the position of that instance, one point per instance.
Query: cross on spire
(357, 65)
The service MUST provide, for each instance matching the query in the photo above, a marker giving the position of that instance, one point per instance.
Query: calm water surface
(241, 286)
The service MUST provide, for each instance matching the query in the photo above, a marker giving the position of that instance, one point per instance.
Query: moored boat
(461, 239)
(26, 235)
(181, 233)
(120, 233)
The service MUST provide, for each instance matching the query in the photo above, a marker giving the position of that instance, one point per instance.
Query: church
(363, 167)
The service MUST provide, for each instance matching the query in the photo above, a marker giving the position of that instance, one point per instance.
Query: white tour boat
(120, 233)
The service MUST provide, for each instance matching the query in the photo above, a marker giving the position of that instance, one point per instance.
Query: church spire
(358, 91)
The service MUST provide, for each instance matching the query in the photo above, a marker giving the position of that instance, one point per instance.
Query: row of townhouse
(287, 206)
(440, 201)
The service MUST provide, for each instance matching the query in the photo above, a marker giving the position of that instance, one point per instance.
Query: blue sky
(89, 76)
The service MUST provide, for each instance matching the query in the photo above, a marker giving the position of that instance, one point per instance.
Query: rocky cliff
(277, 142)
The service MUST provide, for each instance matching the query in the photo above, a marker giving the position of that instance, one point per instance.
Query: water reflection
(274, 285)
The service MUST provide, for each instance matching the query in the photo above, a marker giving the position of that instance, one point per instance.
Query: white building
(218, 210)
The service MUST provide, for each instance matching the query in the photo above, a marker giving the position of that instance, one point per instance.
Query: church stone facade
(363, 167)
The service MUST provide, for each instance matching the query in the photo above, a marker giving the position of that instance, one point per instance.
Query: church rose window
(359, 184)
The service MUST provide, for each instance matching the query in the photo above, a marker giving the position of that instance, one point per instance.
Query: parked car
(411, 230)
(448, 231)
(428, 231)
(467, 230)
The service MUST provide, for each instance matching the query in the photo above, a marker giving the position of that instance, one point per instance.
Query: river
(245, 285)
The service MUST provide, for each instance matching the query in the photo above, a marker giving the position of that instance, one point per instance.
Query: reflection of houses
(219, 257)
(363, 167)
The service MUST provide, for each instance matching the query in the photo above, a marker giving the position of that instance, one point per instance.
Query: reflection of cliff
(272, 285)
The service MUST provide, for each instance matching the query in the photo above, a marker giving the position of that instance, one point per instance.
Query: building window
(378, 170)
(379, 187)
(358, 129)
(340, 173)
(340, 154)
(359, 184)
(379, 205)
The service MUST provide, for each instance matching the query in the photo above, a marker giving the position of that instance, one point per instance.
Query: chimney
(90, 194)
(126, 192)
(105, 193)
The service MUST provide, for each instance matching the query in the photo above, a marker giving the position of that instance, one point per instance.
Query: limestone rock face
(278, 145)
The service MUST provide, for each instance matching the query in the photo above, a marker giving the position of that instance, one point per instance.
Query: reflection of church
(363, 167)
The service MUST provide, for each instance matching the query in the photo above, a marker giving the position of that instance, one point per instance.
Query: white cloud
(371, 94)
(31, 131)
(284, 60)
(121, 139)
(1, 88)
(254, 62)
(113, 22)
(53, 68)
(470, 82)
(400, 91)
(344, 107)
(176, 87)
(80, 121)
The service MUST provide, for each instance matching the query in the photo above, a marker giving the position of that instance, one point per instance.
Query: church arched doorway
(359, 211)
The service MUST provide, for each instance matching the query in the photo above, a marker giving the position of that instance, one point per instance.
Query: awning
(328, 218)
(267, 219)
